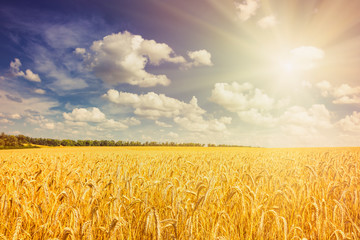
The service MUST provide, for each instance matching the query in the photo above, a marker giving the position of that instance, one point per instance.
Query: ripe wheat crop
(180, 193)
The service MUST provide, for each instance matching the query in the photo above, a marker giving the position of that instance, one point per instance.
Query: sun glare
(288, 67)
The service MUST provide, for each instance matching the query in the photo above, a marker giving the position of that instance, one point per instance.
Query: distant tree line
(21, 141)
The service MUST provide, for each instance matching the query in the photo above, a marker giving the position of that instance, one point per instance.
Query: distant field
(179, 193)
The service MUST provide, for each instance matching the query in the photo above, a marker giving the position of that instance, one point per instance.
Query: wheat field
(179, 193)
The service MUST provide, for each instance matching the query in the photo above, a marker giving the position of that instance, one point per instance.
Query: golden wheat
(179, 193)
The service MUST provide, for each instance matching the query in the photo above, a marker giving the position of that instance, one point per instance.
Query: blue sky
(266, 73)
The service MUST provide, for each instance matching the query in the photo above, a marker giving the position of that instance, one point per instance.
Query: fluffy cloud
(29, 75)
(85, 115)
(200, 58)
(257, 117)
(237, 97)
(80, 117)
(306, 57)
(343, 94)
(267, 22)
(112, 124)
(155, 106)
(350, 123)
(123, 57)
(251, 104)
(246, 9)
(300, 121)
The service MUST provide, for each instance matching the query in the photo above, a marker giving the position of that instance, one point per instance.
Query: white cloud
(300, 121)
(122, 58)
(237, 97)
(200, 58)
(246, 9)
(80, 117)
(306, 57)
(162, 124)
(85, 115)
(158, 52)
(29, 75)
(267, 22)
(251, 104)
(80, 51)
(155, 106)
(112, 124)
(39, 91)
(343, 94)
(254, 116)
(350, 123)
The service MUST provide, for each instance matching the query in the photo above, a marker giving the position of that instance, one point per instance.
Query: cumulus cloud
(80, 117)
(251, 104)
(301, 121)
(246, 9)
(306, 57)
(123, 57)
(350, 123)
(29, 75)
(112, 124)
(155, 106)
(85, 115)
(343, 94)
(257, 117)
(200, 58)
(267, 22)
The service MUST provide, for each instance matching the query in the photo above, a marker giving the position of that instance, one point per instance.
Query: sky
(269, 73)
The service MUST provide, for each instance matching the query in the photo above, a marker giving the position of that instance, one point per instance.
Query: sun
(288, 67)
